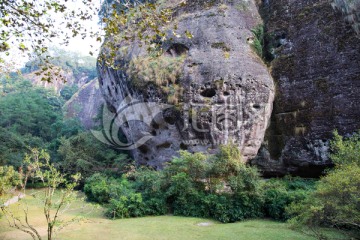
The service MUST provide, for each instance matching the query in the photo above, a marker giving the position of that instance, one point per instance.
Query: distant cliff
(85, 104)
(76, 84)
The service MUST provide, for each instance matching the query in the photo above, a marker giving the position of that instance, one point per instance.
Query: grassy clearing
(95, 226)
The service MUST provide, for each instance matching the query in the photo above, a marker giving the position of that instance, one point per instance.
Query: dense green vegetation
(218, 186)
(224, 188)
(94, 225)
(29, 117)
(32, 117)
(197, 185)
(335, 200)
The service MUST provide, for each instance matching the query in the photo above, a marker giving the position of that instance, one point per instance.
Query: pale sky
(83, 46)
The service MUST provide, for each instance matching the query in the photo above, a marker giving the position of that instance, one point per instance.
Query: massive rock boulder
(85, 105)
(317, 74)
(224, 93)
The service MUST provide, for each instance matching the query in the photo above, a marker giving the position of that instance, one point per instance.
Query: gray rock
(225, 84)
(317, 74)
(85, 104)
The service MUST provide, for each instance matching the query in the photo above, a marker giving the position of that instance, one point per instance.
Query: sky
(83, 46)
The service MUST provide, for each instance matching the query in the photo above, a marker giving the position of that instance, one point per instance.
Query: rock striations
(317, 74)
(225, 93)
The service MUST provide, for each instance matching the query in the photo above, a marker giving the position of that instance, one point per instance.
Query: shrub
(345, 151)
(85, 154)
(101, 189)
(336, 199)
(9, 178)
(334, 203)
(128, 198)
(96, 188)
(219, 186)
(150, 184)
(130, 205)
(258, 40)
(281, 193)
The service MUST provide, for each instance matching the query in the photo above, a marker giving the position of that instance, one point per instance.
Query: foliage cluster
(336, 199)
(30, 25)
(85, 154)
(31, 117)
(8, 179)
(258, 41)
(279, 194)
(220, 187)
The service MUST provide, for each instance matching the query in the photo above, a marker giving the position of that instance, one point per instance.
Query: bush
(126, 206)
(336, 199)
(345, 151)
(101, 189)
(281, 193)
(125, 198)
(219, 186)
(196, 185)
(150, 184)
(85, 154)
(9, 178)
(258, 40)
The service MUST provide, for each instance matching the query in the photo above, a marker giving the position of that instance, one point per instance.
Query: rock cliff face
(317, 74)
(316, 70)
(67, 79)
(226, 92)
(86, 104)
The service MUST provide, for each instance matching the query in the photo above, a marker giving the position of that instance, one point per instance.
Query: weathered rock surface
(58, 83)
(86, 104)
(317, 74)
(228, 92)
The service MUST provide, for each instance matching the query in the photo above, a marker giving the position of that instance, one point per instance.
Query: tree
(37, 165)
(83, 153)
(30, 25)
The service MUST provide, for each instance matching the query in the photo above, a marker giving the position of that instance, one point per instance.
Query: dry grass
(163, 71)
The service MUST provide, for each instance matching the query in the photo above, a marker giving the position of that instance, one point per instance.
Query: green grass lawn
(96, 227)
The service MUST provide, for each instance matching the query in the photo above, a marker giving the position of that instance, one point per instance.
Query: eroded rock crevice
(316, 67)
(223, 94)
